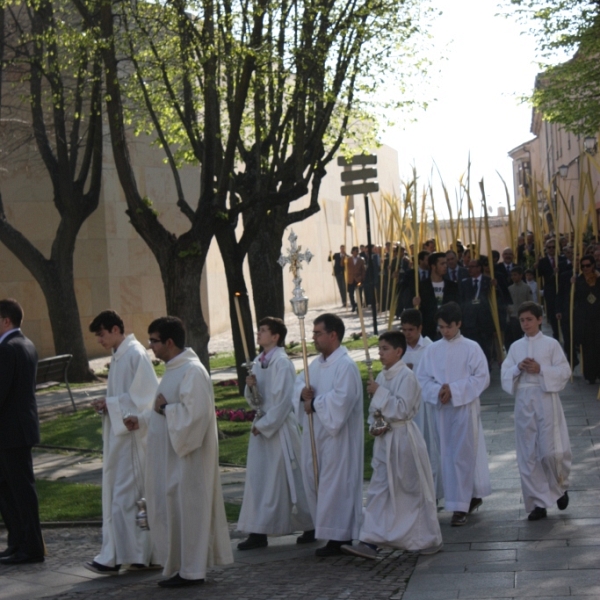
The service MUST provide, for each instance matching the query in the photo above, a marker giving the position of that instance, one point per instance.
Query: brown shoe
(458, 519)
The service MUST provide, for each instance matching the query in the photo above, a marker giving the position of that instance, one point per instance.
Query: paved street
(498, 554)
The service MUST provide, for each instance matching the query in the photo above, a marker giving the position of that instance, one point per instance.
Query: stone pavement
(498, 554)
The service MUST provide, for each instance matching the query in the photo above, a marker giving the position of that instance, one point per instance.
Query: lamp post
(366, 187)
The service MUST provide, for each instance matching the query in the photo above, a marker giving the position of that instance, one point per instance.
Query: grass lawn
(66, 501)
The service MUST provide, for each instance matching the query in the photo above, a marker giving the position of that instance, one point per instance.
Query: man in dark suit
(19, 431)
(433, 292)
(477, 322)
(339, 271)
(454, 271)
(548, 267)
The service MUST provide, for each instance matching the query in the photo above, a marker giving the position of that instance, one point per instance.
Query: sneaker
(308, 537)
(361, 549)
(142, 567)
(95, 567)
(332, 548)
(537, 513)
(475, 504)
(458, 519)
(254, 541)
(563, 501)
(178, 581)
(432, 549)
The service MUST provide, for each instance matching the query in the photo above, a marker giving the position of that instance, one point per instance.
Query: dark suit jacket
(476, 315)
(19, 424)
(546, 271)
(428, 306)
(339, 263)
(461, 273)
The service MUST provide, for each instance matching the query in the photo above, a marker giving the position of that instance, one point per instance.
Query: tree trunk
(181, 279)
(266, 275)
(236, 285)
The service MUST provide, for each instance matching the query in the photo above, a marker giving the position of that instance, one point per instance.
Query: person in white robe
(184, 499)
(535, 370)
(274, 499)
(453, 373)
(131, 390)
(400, 511)
(335, 400)
(411, 325)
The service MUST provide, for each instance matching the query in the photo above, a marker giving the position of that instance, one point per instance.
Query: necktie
(453, 274)
(474, 287)
(423, 277)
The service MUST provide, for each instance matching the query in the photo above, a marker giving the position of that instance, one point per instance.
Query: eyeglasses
(154, 341)
(583, 265)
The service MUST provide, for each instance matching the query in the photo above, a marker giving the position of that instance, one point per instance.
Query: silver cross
(295, 257)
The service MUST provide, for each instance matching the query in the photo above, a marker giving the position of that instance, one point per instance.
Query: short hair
(434, 257)
(423, 255)
(530, 271)
(395, 338)
(451, 252)
(354, 248)
(589, 257)
(495, 255)
(532, 307)
(331, 323)
(411, 316)
(449, 313)
(169, 328)
(276, 327)
(517, 270)
(10, 309)
(107, 319)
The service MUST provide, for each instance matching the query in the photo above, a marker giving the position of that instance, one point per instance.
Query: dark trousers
(484, 339)
(551, 315)
(351, 288)
(19, 502)
(341, 282)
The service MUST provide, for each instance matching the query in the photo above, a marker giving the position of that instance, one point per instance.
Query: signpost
(365, 188)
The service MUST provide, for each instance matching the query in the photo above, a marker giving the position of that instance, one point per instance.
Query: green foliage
(569, 92)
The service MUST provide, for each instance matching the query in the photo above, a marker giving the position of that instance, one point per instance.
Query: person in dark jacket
(19, 431)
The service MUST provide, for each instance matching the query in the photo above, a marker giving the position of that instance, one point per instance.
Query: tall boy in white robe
(335, 399)
(453, 373)
(186, 513)
(535, 370)
(411, 325)
(274, 499)
(131, 390)
(400, 510)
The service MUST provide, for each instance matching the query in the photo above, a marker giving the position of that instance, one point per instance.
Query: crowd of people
(387, 275)
(161, 495)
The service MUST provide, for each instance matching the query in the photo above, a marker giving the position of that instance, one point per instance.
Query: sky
(487, 66)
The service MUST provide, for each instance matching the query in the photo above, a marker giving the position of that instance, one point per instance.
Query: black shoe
(178, 581)
(308, 537)
(458, 519)
(475, 504)
(254, 540)
(20, 559)
(563, 501)
(8, 552)
(332, 548)
(537, 513)
(96, 567)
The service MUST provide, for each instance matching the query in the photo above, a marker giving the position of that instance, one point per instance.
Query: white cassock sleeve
(509, 371)
(425, 373)
(554, 376)
(397, 405)
(141, 394)
(280, 398)
(188, 418)
(335, 406)
(473, 380)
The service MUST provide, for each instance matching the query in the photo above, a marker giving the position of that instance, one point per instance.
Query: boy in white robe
(535, 370)
(274, 499)
(186, 513)
(411, 325)
(453, 373)
(335, 399)
(400, 510)
(131, 389)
